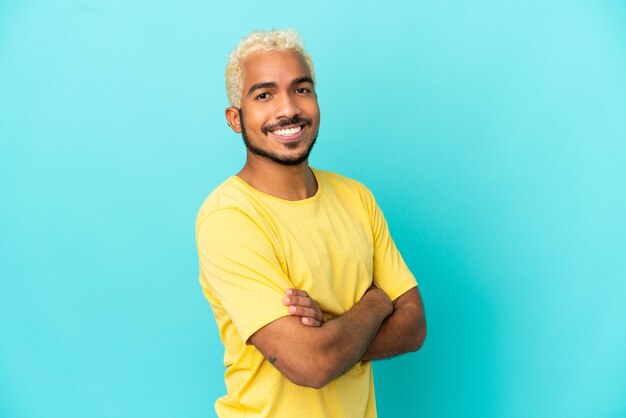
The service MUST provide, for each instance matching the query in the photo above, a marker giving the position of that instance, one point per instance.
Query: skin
(401, 332)
(278, 93)
(313, 356)
(288, 97)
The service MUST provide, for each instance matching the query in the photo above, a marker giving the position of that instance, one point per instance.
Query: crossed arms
(312, 353)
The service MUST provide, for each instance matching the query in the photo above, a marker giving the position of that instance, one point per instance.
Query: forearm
(352, 334)
(401, 332)
(314, 356)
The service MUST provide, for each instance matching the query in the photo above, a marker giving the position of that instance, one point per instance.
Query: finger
(305, 312)
(304, 307)
(310, 322)
(298, 301)
(296, 292)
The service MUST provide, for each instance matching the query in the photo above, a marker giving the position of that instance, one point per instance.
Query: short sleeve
(239, 264)
(390, 272)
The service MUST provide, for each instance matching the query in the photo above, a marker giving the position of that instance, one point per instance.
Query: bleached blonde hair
(258, 40)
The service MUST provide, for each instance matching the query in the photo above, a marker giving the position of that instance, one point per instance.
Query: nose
(286, 106)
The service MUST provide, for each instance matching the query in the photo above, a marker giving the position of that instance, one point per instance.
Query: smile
(288, 133)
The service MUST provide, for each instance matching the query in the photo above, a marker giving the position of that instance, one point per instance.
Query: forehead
(273, 66)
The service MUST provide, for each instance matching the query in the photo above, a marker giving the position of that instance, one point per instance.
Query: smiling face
(279, 115)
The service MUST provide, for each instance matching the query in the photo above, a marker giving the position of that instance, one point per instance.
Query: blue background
(492, 133)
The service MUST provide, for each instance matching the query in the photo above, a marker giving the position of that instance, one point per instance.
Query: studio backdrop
(492, 134)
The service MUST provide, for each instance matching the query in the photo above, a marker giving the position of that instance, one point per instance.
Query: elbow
(320, 378)
(313, 382)
(419, 337)
(417, 327)
(313, 361)
(314, 373)
(311, 376)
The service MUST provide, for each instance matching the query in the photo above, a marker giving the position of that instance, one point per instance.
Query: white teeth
(287, 132)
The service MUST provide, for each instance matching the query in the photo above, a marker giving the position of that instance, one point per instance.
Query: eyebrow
(305, 79)
(273, 85)
(265, 85)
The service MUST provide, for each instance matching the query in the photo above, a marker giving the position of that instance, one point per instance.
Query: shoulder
(228, 200)
(339, 181)
(343, 186)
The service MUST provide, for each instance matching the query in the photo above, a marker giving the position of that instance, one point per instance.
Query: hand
(301, 304)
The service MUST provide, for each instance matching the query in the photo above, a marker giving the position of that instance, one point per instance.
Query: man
(304, 280)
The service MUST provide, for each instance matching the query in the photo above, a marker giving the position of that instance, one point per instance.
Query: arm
(402, 331)
(313, 356)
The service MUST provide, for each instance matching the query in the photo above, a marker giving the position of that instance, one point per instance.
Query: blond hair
(272, 40)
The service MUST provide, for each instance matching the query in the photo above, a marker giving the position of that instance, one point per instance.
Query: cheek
(252, 122)
(258, 115)
(317, 116)
(313, 110)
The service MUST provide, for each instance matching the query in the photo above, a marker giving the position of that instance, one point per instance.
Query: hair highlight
(258, 40)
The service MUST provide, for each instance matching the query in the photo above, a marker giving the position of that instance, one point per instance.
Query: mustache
(295, 120)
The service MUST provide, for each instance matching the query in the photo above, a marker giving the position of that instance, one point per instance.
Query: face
(279, 115)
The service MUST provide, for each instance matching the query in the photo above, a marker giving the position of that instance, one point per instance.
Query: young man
(304, 280)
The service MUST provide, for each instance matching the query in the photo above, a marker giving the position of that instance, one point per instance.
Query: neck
(283, 181)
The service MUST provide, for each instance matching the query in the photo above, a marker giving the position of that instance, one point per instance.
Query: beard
(277, 158)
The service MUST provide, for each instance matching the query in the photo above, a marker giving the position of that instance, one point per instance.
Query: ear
(233, 119)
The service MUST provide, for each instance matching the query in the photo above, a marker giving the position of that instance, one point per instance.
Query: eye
(263, 96)
(302, 90)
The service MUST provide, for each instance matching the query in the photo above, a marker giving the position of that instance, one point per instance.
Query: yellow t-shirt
(253, 246)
